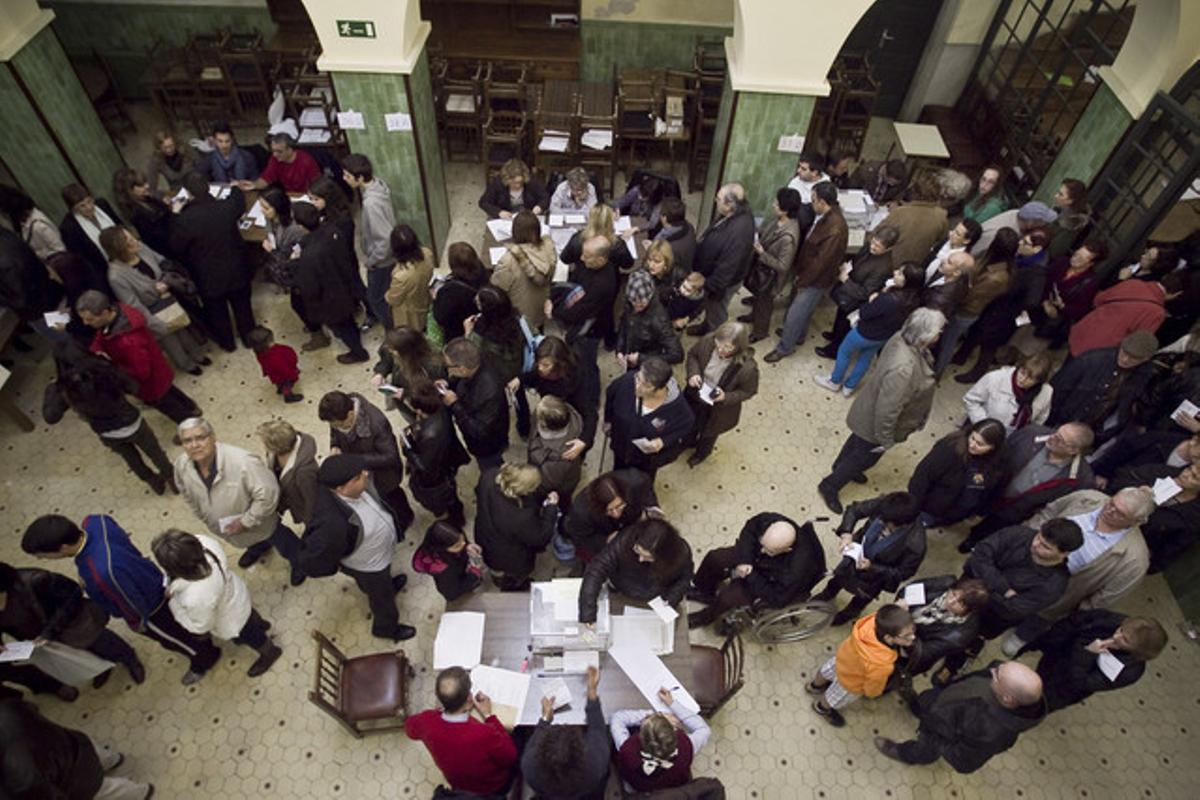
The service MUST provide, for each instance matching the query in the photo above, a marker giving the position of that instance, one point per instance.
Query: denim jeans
(954, 331)
(795, 322)
(861, 350)
(378, 281)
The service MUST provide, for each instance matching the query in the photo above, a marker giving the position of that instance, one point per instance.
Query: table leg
(16, 414)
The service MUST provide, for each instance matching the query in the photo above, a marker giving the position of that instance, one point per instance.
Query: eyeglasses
(196, 439)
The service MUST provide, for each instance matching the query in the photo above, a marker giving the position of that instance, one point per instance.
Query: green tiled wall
(712, 178)
(47, 74)
(395, 155)
(638, 45)
(1093, 139)
(752, 157)
(27, 152)
(123, 32)
(1184, 579)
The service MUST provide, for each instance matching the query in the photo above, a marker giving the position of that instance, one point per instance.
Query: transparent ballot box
(554, 618)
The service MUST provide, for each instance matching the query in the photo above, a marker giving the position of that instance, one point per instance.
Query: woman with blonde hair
(527, 267)
(601, 221)
(514, 189)
(514, 521)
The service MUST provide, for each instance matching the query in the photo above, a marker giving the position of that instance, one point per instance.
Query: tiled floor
(235, 737)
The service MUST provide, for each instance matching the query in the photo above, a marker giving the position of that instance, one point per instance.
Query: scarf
(1025, 398)
(652, 763)
(935, 613)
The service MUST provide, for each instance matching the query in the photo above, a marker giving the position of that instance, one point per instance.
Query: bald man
(973, 718)
(774, 563)
(723, 254)
(586, 310)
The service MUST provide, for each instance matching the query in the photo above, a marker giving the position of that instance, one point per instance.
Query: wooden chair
(718, 672)
(241, 60)
(504, 87)
(110, 103)
(602, 162)
(502, 137)
(637, 95)
(367, 689)
(459, 107)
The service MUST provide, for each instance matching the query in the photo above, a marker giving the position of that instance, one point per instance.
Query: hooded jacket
(558, 474)
(525, 272)
(132, 347)
(864, 663)
(378, 219)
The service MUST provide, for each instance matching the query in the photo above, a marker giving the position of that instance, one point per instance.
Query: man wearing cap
(1100, 386)
(1032, 215)
(353, 530)
(645, 328)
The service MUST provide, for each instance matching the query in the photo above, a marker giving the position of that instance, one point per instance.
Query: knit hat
(1036, 211)
(640, 288)
(1140, 344)
(340, 469)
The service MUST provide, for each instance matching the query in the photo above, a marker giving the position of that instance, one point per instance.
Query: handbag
(532, 341)
(849, 296)
(170, 313)
(761, 280)
(177, 279)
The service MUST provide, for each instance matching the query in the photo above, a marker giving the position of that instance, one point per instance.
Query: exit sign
(356, 29)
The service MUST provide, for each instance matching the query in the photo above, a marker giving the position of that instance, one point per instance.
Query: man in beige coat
(1112, 561)
(922, 222)
(234, 494)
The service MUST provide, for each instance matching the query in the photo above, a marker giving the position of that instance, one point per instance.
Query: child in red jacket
(278, 362)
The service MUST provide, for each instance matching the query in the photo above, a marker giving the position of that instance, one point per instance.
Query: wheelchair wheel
(793, 623)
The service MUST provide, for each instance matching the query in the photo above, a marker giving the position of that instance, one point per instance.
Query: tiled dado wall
(124, 32)
(399, 157)
(28, 149)
(638, 45)
(1092, 140)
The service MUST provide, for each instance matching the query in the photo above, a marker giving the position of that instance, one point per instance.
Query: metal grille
(1151, 169)
(1034, 77)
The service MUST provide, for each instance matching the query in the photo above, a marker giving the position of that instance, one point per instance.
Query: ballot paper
(663, 609)
(554, 144)
(256, 215)
(313, 117)
(219, 190)
(574, 219)
(351, 120)
(496, 253)
(1186, 409)
(914, 594)
(1109, 664)
(641, 628)
(707, 392)
(506, 688)
(16, 651)
(580, 660)
(648, 673)
(55, 318)
(1165, 489)
(852, 201)
(501, 229)
(397, 122)
(557, 689)
(643, 444)
(1022, 319)
(459, 641)
(556, 220)
(182, 196)
(622, 224)
(854, 551)
(315, 136)
(597, 138)
(631, 246)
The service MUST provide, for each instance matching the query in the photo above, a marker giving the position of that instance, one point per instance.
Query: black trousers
(381, 597)
(284, 540)
(216, 315)
(857, 601)
(715, 568)
(143, 440)
(112, 647)
(925, 749)
(397, 500)
(28, 676)
(176, 405)
(347, 331)
(254, 632)
(302, 313)
(856, 457)
(160, 626)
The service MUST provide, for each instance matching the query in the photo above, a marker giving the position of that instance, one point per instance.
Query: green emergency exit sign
(356, 29)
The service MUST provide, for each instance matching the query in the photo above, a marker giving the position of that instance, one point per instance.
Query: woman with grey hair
(575, 194)
(894, 403)
(722, 374)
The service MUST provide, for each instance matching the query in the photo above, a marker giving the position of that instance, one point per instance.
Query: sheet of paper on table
(501, 229)
(219, 190)
(574, 219)
(648, 673)
(313, 117)
(540, 687)
(496, 253)
(16, 651)
(707, 392)
(315, 136)
(562, 237)
(853, 201)
(1165, 489)
(663, 609)
(462, 103)
(597, 138)
(557, 688)
(854, 551)
(1109, 664)
(571, 661)
(556, 220)
(914, 594)
(351, 120)
(54, 318)
(506, 688)
(643, 631)
(398, 121)
(554, 144)
(622, 224)
(459, 640)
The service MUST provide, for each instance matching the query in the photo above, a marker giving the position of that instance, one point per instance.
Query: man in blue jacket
(122, 581)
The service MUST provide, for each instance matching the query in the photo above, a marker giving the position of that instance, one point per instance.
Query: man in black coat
(205, 235)
(1141, 449)
(1094, 651)
(354, 531)
(774, 563)
(1100, 386)
(646, 417)
(585, 306)
(476, 397)
(323, 275)
(84, 209)
(25, 285)
(971, 719)
(677, 232)
(882, 554)
(434, 455)
(723, 255)
(356, 426)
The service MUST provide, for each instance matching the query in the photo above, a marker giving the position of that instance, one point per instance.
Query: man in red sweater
(1131, 305)
(293, 170)
(475, 754)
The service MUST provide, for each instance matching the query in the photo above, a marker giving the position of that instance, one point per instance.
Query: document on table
(560, 689)
(496, 253)
(557, 689)
(554, 144)
(562, 237)
(1165, 489)
(16, 651)
(315, 136)
(648, 673)
(597, 138)
(854, 551)
(563, 594)
(574, 219)
(571, 661)
(507, 690)
(501, 229)
(54, 318)
(914, 594)
(663, 609)
(459, 641)
(556, 220)
(643, 630)
(1109, 664)
(707, 392)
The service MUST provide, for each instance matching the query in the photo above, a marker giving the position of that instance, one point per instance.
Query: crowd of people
(1079, 480)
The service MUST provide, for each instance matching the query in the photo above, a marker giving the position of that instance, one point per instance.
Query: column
(382, 74)
(49, 132)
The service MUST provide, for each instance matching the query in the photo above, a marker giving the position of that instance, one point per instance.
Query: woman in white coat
(1017, 396)
(206, 597)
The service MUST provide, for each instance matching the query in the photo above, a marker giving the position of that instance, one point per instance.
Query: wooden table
(9, 322)
(506, 644)
(920, 141)
(490, 241)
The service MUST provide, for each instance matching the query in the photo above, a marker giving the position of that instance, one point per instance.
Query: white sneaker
(1012, 644)
(848, 390)
(822, 380)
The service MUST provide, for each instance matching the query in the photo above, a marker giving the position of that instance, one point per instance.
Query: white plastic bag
(70, 665)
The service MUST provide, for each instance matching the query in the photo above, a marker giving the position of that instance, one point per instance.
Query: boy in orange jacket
(863, 663)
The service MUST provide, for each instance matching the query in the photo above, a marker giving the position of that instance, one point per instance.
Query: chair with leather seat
(718, 672)
(366, 694)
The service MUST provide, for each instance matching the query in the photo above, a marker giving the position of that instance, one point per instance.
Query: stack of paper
(459, 641)
(622, 224)
(553, 144)
(314, 136)
(640, 628)
(571, 661)
(597, 139)
(574, 219)
(507, 690)
(501, 229)
(556, 220)
(649, 674)
(313, 117)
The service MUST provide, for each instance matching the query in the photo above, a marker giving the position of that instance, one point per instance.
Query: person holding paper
(575, 194)
(1171, 529)
(723, 363)
(1133, 450)
(293, 170)
(644, 200)
(454, 298)
(646, 417)
(659, 756)
(434, 454)
(406, 358)
(569, 762)
(646, 560)
(1094, 651)
(883, 553)
(774, 563)
(555, 447)
(468, 743)
(946, 612)
(527, 268)
(645, 329)
(610, 503)
(514, 521)
(556, 372)
(513, 189)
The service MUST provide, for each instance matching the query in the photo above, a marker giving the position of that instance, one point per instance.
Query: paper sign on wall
(398, 122)
(350, 121)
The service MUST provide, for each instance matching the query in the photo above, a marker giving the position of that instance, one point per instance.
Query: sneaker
(265, 659)
(812, 688)
(848, 390)
(353, 358)
(888, 747)
(190, 677)
(825, 382)
(830, 715)
(197, 371)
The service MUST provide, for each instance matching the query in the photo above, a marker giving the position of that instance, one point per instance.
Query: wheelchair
(792, 623)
